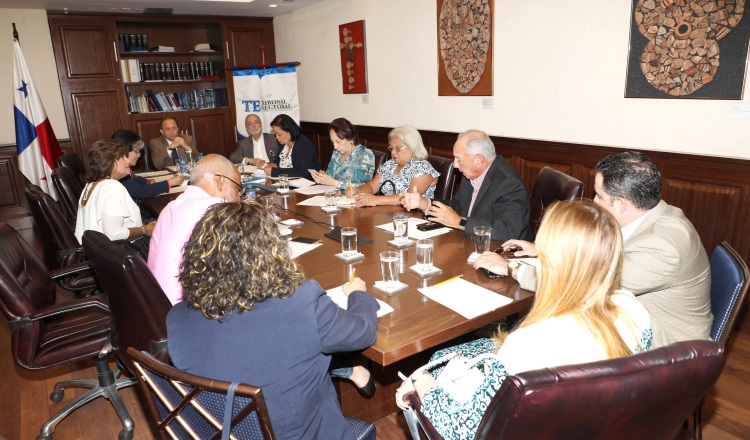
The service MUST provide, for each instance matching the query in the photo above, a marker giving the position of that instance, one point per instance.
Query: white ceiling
(256, 8)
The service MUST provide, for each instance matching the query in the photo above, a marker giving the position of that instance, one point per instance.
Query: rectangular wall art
(353, 57)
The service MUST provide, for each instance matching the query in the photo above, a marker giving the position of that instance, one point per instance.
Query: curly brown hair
(236, 258)
(102, 157)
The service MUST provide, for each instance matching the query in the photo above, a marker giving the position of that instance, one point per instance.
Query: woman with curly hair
(105, 205)
(248, 315)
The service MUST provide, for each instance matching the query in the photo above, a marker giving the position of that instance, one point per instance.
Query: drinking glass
(267, 202)
(284, 182)
(425, 250)
(348, 241)
(389, 262)
(400, 228)
(482, 237)
(331, 199)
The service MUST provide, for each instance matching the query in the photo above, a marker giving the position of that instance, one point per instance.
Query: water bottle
(200, 156)
(183, 166)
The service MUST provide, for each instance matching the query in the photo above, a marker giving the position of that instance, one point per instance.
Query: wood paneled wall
(713, 192)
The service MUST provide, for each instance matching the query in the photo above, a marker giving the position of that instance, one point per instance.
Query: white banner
(266, 93)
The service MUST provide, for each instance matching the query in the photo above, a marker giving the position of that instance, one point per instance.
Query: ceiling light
(272, 6)
(227, 1)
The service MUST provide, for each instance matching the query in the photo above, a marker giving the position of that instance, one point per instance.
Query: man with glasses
(213, 180)
(491, 194)
(258, 147)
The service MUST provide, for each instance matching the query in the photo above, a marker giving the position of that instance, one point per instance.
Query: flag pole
(15, 34)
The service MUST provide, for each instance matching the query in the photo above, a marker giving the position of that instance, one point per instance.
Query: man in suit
(665, 264)
(168, 148)
(491, 194)
(257, 147)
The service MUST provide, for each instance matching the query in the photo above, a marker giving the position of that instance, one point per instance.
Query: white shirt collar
(627, 231)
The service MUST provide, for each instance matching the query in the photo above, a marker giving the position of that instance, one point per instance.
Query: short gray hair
(210, 165)
(411, 138)
(479, 143)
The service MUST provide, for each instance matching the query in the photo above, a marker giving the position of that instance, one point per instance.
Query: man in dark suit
(257, 147)
(491, 194)
(168, 148)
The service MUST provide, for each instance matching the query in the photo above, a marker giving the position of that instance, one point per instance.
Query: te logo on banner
(251, 106)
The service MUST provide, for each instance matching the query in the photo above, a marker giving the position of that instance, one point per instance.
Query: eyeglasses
(242, 189)
(391, 148)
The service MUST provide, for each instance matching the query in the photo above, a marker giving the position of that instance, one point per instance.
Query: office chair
(72, 162)
(550, 186)
(447, 183)
(69, 191)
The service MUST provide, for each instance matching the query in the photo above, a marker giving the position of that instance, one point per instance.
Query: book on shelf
(165, 101)
(162, 49)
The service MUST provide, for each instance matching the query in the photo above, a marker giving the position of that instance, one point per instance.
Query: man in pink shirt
(214, 180)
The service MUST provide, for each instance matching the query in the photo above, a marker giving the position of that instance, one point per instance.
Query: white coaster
(292, 222)
(401, 244)
(283, 191)
(472, 258)
(389, 289)
(330, 209)
(423, 271)
(352, 257)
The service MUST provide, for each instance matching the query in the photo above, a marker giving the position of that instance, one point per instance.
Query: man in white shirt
(665, 263)
(257, 148)
(168, 148)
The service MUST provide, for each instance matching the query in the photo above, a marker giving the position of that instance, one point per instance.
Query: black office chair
(45, 334)
(380, 158)
(72, 162)
(69, 190)
(447, 183)
(729, 285)
(551, 186)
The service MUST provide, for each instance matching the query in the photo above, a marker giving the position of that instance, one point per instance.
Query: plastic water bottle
(200, 156)
(183, 166)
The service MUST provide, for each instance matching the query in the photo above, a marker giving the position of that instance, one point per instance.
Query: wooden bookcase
(96, 93)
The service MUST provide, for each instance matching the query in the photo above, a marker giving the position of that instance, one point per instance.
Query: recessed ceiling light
(227, 1)
(272, 6)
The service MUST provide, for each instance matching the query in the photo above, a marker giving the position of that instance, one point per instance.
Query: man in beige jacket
(665, 264)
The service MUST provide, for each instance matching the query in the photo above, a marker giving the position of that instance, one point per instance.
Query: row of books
(131, 42)
(135, 71)
(163, 102)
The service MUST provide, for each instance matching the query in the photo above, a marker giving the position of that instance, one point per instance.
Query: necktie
(175, 157)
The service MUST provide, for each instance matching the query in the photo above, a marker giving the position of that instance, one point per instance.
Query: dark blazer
(282, 346)
(304, 157)
(139, 188)
(502, 202)
(245, 148)
(159, 155)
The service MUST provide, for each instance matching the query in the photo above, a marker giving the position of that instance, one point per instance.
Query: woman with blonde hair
(578, 316)
(249, 316)
(407, 170)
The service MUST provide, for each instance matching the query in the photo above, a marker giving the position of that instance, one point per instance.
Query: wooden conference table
(417, 324)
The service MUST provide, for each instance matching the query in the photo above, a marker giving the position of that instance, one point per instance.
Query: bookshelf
(110, 81)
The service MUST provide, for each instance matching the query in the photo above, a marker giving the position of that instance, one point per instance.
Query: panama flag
(36, 142)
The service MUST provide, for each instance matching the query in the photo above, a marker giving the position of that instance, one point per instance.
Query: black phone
(491, 275)
(306, 240)
(429, 226)
(336, 235)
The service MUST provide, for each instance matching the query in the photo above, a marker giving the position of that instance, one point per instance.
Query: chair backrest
(69, 191)
(57, 236)
(72, 162)
(180, 402)
(380, 158)
(447, 183)
(729, 284)
(147, 162)
(138, 305)
(550, 186)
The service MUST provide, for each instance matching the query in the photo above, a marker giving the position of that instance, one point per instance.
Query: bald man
(214, 180)
(258, 146)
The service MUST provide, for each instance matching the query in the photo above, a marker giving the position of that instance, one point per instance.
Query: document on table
(249, 169)
(414, 232)
(154, 174)
(296, 249)
(313, 190)
(180, 188)
(301, 183)
(337, 296)
(321, 201)
(465, 298)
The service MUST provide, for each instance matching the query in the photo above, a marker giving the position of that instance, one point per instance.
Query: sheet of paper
(338, 296)
(313, 190)
(284, 229)
(321, 200)
(296, 249)
(414, 232)
(300, 183)
(153, 174)
(465, 298)
(162, 177)
(180, 188)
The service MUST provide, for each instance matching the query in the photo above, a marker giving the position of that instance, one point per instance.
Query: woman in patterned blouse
(351, 163)
(406, 170)
(578, 316)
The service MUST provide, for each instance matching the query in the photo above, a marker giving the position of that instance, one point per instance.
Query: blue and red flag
(36, 142)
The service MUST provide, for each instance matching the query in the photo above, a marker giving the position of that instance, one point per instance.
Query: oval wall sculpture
(464, 33)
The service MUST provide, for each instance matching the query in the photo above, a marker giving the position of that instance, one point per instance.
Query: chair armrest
(65, 252)
(70, 270)
(97, 301)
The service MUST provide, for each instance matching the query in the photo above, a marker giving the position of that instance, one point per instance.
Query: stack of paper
(465, 298)
(315, 189)
(339, 297)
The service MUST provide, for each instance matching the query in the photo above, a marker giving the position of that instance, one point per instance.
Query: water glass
(267, 202)
(482, 237)
(284, 182)
(425, 250)
(400, 228)
(389, 262)
(331, 199)
(348, 241)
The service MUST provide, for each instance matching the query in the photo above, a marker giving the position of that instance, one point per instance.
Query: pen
(448, 280)
(352, 277)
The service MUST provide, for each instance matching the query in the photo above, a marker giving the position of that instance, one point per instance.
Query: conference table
(407, 336)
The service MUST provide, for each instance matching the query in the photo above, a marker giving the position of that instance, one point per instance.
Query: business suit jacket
(245, 148)
(159, 155)
(666, 266)
(304, 157)
(502, 202)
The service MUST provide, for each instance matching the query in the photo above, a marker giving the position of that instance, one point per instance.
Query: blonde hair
(411, 138)
(580, 260)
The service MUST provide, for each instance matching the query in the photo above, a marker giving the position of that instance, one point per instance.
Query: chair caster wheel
(125, 435)
(57, 396)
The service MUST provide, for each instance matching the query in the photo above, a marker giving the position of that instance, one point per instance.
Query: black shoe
(369, 389)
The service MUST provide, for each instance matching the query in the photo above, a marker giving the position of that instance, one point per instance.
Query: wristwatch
(462, 222)
(512, 264)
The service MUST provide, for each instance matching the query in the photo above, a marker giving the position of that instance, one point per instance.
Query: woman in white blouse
(105, 204)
